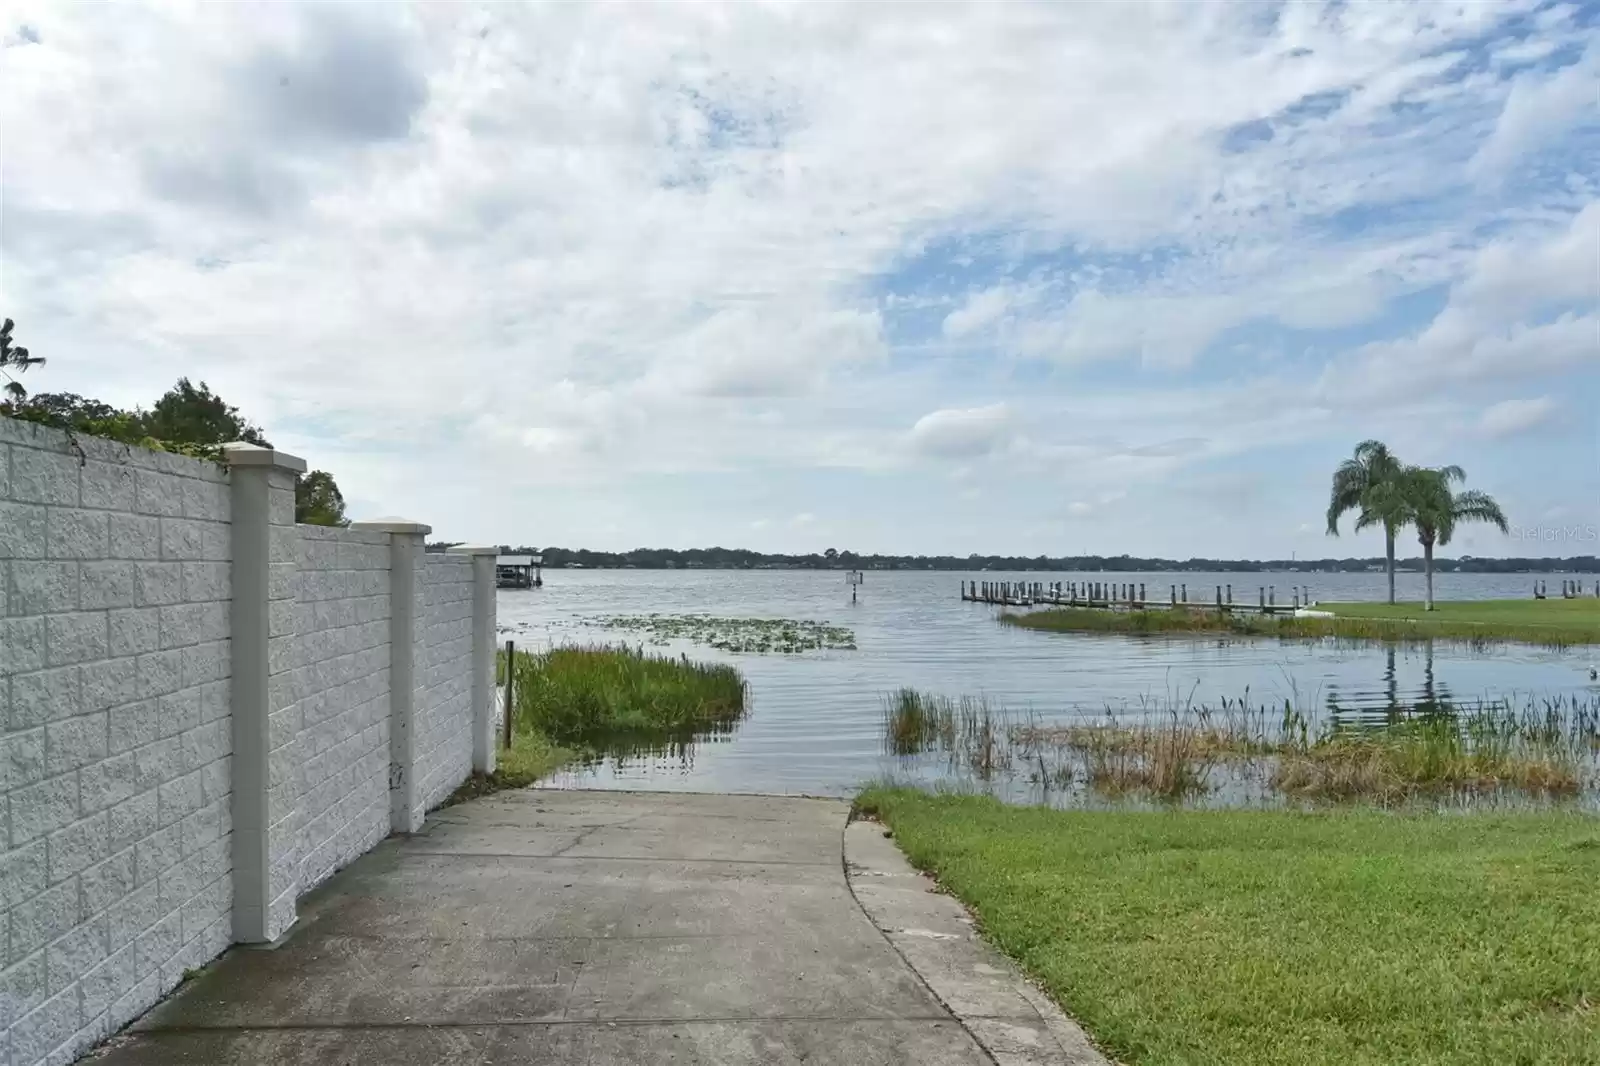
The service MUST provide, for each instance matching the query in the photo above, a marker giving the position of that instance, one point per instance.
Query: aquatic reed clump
(1170, 760)
(1489, 748)
(1543, 748)
(583, 695)
(916, 722)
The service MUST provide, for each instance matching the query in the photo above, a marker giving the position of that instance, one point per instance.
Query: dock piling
(511, 688)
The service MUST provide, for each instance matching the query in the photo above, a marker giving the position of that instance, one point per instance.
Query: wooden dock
(1570, 589)
(1128, 596)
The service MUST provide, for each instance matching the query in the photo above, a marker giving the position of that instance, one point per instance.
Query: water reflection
(621, 752)
(1430, 696)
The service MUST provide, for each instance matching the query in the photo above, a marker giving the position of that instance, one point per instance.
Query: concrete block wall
(444, 678)
(131, 812)
(339, 758)
(114, 755)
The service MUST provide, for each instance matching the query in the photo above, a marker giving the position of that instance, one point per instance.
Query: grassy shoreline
(580, 701)
(1541, 749)
(1251, 938)
(1549, 623)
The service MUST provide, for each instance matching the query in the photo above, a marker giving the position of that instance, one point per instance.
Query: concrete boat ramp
(600, 927)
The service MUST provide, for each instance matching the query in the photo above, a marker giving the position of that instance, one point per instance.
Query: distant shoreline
(736, 559)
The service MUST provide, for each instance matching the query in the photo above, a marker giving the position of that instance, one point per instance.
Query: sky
(1037, 279)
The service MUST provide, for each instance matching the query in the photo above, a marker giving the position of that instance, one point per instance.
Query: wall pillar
(483, 622)
(263, 579)
(406, 546)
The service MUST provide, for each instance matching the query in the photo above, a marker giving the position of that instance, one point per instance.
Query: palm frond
(1477, 506)
(1354, 482)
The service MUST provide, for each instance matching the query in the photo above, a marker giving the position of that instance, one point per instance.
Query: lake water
(815, 721)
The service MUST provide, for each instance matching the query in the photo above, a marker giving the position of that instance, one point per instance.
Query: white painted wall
(117, 706)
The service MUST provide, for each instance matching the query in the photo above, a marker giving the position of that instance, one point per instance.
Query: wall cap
(241, 454)
(473, 549)
(392, 524)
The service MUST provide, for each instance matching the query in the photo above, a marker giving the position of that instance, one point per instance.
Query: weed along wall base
(207, 711)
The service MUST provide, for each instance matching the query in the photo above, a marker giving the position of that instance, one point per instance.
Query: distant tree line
(187, 419)
(741, 559)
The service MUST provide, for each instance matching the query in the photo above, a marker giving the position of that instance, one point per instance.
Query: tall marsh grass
(584, 695)
(1541, 749)
(1548, 748)
(916, 722)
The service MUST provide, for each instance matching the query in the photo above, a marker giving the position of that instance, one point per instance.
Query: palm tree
(16, 358)
(1436, 510)
(1369, 484)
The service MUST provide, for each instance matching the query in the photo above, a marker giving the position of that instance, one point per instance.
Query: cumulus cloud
(961, 433)
(1510, 417)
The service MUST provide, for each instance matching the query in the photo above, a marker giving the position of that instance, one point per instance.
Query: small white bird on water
(1594, 674)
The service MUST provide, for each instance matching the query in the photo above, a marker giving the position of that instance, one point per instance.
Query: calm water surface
(815, 719)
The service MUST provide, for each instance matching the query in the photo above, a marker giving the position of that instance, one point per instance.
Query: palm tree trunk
(1388, 554)
(1427, 568)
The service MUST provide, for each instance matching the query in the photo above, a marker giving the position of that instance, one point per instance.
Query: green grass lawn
(1526, 612)
(1267, 938)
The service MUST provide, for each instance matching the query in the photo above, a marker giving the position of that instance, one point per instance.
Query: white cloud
(1158, 330)
(1510, 417)
(1491, 326)
(1541, 108)
(984, 309)
(770, 351)
(961, 433)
